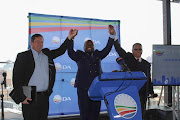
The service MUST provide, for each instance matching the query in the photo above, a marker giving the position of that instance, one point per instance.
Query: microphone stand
(2, 100)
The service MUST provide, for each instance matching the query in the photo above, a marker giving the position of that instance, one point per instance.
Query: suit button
(90, 71)
(95, 71)
(94, 64)
(89, 64)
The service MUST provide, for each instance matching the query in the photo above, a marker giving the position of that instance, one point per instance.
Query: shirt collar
(35, 54)
(140, 59)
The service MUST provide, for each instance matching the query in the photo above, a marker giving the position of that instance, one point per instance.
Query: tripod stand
(2, 95)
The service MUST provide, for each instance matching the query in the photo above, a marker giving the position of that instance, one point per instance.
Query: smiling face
(37, 44)
(89, 46)
(137, 50)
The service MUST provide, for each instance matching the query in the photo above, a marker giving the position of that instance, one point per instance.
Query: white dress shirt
(40, 76)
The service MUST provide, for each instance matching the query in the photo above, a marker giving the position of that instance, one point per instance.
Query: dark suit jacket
(134, 65)
(24, 67)
(89, 66)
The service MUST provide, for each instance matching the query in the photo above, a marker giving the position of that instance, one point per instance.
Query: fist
(72, 34)
(111, 30)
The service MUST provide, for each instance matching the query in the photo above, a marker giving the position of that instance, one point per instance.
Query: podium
(120, 93)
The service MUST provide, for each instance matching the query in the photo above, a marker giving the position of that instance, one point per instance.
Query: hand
(26, 101)
(72, 34)
(111, 30)
(151, 95)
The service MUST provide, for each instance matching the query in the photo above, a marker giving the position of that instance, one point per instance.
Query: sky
(140, 21)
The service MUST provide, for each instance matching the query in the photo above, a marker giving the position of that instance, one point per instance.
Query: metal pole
(173, 103)
(160, 96)
(167, 41)
(178, 102)
(2, 103)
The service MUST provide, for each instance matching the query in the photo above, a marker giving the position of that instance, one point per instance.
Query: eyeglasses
(137, 49)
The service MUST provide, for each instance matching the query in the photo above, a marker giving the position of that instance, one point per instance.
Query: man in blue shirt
(35, 67)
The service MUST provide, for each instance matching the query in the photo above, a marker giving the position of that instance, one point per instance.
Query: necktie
(138, 59)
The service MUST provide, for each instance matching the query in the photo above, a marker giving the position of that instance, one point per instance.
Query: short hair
(34, 36)
(87, 41)
(135, 45)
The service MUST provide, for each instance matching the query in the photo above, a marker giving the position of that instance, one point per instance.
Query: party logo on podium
(125, 106)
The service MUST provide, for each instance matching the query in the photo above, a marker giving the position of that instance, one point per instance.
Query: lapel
(31, 61)
(30, 66)
(51, 65)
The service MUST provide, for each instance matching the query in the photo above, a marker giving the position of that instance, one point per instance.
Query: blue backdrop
(55, 29)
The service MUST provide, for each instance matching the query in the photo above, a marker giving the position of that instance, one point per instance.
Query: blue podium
(120, 93)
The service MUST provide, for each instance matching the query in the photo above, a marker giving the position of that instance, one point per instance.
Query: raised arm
(111, 40)
(119, 49)
(62, 49)
(72, 54)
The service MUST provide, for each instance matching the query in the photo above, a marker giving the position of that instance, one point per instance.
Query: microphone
(121, 62)
(4, 75)
(155, 95)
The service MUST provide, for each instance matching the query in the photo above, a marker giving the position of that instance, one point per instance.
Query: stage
(156, 113)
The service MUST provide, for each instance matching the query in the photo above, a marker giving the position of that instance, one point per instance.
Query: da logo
(125, 106)
(159, 53)
(112, 54)
(57, 99)
(56, 39)
(58, 66)
(94, 41)
(72, 81)
(62, 67)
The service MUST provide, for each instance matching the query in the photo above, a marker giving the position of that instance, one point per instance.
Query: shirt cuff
(113, 37)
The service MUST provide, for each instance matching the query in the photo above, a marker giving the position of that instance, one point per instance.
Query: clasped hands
(74, 32)
(111, 30)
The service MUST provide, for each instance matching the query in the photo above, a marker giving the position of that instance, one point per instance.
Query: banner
(166, 64)
(55, 30)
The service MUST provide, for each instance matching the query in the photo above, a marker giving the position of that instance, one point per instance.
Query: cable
(109, 93)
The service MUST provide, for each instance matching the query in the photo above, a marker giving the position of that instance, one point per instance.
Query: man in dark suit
(89, 67)
(35, 67)
(136, 63)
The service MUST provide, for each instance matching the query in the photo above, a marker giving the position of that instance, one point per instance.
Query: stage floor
(155, 113)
